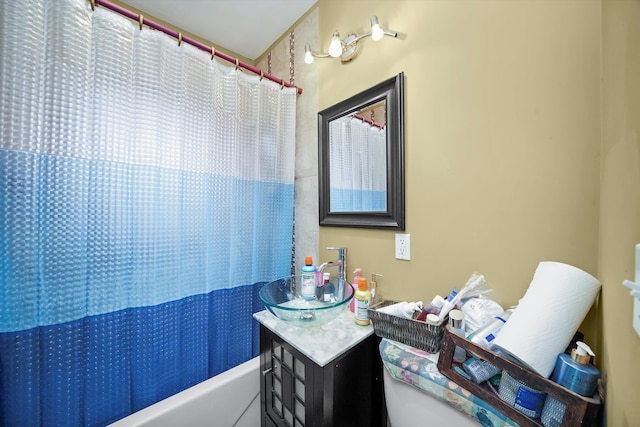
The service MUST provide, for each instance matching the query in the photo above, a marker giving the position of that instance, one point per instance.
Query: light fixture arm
(369, 34)
(349, 44)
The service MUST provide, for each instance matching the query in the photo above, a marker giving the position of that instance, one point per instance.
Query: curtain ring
(237, 63)
(282, 84)
(261, 75)
(213, 52)
(93, 5)
(141, 20)
(179, 38)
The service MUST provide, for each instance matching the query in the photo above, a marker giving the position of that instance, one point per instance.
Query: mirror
(361, 159)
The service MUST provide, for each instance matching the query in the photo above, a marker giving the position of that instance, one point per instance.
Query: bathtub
(230, 399)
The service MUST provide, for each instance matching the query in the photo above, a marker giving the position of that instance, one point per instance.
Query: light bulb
(308, 57)
(335, 48)
(376, 31)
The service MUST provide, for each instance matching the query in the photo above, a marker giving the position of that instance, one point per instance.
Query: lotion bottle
(575, 372)
(362, 298)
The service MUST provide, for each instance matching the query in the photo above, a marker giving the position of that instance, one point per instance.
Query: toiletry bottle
(449, 303)
(362, 297)
(328, 290)
(432, 308)
(308, 279)
(326, 279)
(485, 335)
(357, 272)
(575, 372)
(432, 319)
(373, 286)
(403, 309)
(456, 325)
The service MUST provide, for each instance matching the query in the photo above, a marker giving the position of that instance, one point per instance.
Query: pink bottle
(433, 308)
(356, 281)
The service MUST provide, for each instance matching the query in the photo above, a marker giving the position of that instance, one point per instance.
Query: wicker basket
(407, 331)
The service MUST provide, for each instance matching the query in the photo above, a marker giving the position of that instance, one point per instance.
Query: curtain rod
(369, 122)
(181, 38)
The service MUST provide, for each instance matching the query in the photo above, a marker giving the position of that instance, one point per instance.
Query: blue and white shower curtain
(358, 166)
(146, 193)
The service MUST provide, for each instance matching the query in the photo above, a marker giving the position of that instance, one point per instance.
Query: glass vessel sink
(282, 298)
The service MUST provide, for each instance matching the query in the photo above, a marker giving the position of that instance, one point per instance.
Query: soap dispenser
(373, 287)
(575, 372)
(356, 279)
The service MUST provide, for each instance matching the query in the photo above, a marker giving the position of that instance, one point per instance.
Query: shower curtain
(146, 194)
(358, 167)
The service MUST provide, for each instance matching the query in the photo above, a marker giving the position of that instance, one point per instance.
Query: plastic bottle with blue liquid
(308, 279)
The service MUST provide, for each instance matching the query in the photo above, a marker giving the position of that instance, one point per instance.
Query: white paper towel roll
(551, 311)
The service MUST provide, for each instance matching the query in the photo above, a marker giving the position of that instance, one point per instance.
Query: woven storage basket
(407, 331)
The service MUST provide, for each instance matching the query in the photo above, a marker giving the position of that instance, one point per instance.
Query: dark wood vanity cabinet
(295, 391)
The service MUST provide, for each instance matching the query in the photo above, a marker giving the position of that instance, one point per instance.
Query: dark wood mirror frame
(391, 91)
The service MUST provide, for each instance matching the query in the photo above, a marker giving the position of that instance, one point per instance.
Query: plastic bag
(476, 286)
(478, 302)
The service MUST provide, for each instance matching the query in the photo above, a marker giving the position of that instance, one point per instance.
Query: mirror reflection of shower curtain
(146, 194)
(358, 167)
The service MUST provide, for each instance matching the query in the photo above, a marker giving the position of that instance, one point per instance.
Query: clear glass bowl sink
(282, 298)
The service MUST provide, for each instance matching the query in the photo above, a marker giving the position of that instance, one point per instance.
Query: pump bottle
(575, 372)
(357, 272)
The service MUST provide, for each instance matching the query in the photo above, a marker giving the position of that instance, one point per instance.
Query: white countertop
(321, 344)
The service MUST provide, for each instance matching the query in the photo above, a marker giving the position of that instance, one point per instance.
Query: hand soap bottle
(373, 288)
(357, 272)
(575, 372)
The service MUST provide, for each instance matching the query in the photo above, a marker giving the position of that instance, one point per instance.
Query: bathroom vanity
(324, 376)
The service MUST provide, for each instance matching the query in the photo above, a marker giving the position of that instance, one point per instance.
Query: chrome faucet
(341, 263)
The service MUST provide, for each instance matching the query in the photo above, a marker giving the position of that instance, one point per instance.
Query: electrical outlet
(403, 246)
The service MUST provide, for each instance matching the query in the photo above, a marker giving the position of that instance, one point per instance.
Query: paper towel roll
(551, 311)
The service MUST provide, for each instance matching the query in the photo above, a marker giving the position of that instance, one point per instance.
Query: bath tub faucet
(341, 263)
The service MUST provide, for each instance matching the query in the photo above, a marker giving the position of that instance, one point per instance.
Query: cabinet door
(296, 392)
(287, 396)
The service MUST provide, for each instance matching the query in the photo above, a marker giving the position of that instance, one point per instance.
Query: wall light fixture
(346, 48)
